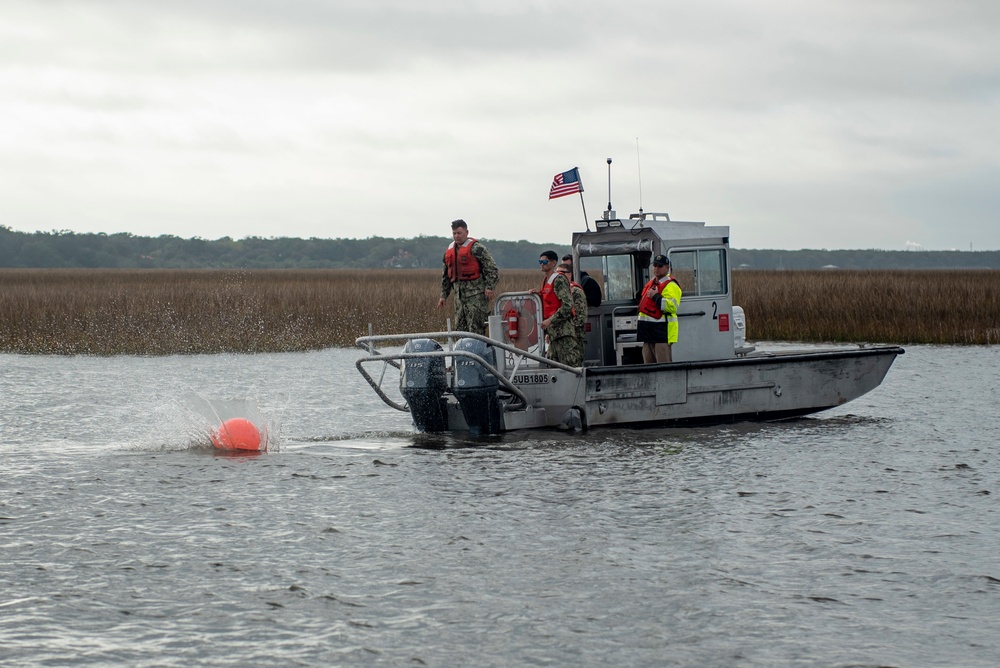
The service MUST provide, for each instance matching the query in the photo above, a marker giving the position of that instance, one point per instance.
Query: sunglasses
(544, 261)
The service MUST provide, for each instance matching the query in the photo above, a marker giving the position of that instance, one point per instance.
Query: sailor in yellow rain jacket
(657, 326)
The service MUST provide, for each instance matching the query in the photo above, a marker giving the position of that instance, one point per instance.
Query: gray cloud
(235, 118)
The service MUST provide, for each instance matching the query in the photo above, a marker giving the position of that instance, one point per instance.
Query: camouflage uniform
(579, 316)
(562, 332)
(472, 308)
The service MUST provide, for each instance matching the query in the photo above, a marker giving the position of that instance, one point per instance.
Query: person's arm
(445, 287)
(669, 298)
(580, 306)
(562, 290)
(487, 267)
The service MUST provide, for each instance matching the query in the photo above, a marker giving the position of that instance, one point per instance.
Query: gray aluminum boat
(458, 381)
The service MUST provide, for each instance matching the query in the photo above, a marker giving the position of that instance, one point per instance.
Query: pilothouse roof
(642, 231)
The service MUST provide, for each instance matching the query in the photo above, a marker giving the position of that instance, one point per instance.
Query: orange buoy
(236, 434)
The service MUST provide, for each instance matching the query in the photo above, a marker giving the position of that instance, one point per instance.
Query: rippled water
(865, 536)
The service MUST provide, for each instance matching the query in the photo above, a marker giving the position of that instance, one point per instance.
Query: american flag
(566, 183)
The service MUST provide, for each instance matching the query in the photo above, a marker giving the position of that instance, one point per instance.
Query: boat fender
(511, 317)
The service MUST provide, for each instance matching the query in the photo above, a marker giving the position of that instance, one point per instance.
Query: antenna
(609, 185)
(639, 168)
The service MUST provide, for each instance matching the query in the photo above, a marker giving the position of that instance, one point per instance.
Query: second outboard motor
(476, 388)
(422, 382)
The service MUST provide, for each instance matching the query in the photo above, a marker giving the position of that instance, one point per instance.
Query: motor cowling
(476, 388)
(423, 382)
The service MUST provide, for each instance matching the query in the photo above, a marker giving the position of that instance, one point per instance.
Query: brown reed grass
(898, 306)
(161, 312)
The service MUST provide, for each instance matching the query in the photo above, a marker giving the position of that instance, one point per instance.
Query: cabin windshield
(615, 273)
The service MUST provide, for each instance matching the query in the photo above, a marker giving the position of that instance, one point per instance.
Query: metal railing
(394, 358)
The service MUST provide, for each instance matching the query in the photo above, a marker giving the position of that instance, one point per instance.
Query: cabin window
(619, 277)
(700, 272)
(615, 274)
(594, 266)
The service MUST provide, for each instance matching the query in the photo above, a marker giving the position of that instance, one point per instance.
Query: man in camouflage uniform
(557, 312)
(579, 307)
(470, 271)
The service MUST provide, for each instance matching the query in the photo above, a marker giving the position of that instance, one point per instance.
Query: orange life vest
(462, 265)
(550, 302)
(647, 304)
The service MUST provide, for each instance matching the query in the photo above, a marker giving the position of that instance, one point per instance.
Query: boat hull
(756, 387)
(526, 391)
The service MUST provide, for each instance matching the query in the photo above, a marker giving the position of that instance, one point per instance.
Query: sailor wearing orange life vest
(469, 271)
(657, 326)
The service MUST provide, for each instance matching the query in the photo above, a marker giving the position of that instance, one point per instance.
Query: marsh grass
(161, 312)
(944, 307)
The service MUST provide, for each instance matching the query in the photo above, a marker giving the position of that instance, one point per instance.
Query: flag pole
(579, 182)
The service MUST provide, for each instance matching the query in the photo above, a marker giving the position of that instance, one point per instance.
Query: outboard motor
(476, 388)
(422, 382)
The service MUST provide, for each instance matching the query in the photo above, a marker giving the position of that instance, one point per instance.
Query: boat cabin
(618, 255)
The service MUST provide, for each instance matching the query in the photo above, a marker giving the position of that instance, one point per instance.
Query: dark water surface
(865, 536)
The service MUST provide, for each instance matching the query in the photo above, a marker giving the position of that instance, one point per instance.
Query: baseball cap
(661, 260)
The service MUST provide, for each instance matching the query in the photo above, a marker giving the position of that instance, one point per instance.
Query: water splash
(209, 418)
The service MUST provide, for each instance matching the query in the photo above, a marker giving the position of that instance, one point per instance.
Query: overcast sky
(800, 124)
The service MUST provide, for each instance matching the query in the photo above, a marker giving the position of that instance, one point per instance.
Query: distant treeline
(69, 250)
(863, 259)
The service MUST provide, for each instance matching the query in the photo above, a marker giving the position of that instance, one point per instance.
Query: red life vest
(647, 304)
(550, 302)
(463, 265)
